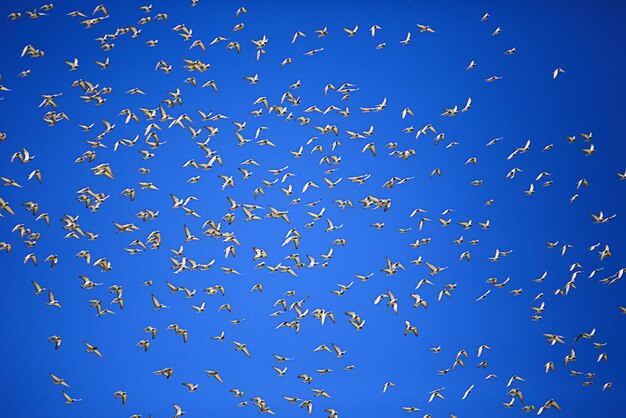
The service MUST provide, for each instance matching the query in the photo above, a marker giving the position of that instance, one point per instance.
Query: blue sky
(428, 75)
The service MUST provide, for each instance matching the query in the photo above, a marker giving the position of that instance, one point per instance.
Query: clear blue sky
(428, 75)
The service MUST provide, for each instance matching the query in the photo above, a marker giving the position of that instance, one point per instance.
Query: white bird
(467, 392)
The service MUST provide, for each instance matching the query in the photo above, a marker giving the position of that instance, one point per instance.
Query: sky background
(428, 75)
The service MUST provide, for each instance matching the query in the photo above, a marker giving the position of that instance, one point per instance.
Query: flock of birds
(165, 117)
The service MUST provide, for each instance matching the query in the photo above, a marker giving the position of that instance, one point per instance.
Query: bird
(121, 395)
(69, 399)
(409, 329)
(241, 347)
(157, 304)
(351, 32)
(467, 392)
(38, 288)
(254, 170)
(58, 381)
(179, 411)
(340, 353)
(425, 28)
(52, 301)
(93, 349)
(191, 387)
(56, 340)
(549, 404)
(72, 64)
(436, 394)
(214, 374)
